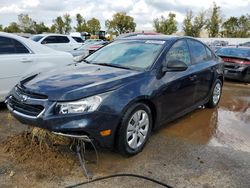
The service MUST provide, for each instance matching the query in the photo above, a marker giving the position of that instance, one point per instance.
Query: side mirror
(175, 65)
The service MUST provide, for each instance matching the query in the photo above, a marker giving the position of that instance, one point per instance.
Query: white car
(20, 57)
(57, 41)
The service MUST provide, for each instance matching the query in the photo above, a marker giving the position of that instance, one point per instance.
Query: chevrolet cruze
(123, 91)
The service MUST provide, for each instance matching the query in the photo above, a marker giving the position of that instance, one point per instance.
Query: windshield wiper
(113, 65)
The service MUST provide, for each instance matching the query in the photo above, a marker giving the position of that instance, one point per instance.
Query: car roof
(153, 37)
(51, 34)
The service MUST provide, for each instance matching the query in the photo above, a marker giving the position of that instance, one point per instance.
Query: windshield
(236, 52)
(36, 38)
(133, 54)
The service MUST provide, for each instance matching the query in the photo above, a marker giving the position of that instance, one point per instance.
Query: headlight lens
(89, 104)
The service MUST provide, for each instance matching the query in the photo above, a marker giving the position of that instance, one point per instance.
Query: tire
(216, 95)
(133, 134)
(246, 78)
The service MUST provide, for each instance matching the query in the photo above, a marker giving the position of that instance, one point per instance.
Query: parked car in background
(20, 56)
(123, 91)
(236, 62)
(86, 49)
(57, 41)
(218, 44)
(247, 44)
(95, 46)
(88, 41)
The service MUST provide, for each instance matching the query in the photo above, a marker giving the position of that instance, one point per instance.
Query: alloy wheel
(137, 129)
(216, 93)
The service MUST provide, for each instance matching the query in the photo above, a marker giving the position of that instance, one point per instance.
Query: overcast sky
(143, 11)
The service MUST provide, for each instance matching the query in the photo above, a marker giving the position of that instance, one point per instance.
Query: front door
(177, 88)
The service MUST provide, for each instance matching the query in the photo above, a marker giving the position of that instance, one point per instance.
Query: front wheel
(135, 129)
(216, 95)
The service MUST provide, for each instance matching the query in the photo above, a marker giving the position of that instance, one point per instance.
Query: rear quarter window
(210, 55)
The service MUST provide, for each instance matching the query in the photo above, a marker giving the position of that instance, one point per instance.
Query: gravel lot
(206, 148)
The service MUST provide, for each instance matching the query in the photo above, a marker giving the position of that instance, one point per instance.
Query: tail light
(234, 60)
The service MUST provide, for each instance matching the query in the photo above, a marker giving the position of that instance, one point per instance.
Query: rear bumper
(242, 73)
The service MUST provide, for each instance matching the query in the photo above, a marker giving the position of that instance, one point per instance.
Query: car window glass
(78, 39)
(179, 51)
(49, 39)
(36, 38)
(20, 48)
(209, 54)
(198, 51)
(62, 39)
(6, 46)
(133, 54)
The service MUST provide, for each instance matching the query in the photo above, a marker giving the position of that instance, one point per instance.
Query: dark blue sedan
(123, 91)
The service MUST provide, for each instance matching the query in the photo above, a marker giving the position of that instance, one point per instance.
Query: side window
(20, 48)
(198, 51)
(6, 46)
(78, 39)
(49, 40)
(210, 55)
(179, 51)
(62, 39)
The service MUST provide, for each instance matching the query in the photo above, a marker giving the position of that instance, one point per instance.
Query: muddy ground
(206, 148)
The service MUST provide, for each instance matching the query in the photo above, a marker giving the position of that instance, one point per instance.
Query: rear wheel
(216, 95)
(135, 129)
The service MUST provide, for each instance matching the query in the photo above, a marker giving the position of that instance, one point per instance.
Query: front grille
(27, 109)
(21, 91)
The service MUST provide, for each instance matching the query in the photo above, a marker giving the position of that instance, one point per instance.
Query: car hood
(78, 81)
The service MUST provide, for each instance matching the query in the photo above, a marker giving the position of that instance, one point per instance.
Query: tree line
(210, 20)
(120, 23)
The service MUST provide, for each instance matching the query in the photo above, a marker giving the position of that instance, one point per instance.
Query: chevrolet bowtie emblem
(23, 98)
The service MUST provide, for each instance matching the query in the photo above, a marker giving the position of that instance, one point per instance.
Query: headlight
(89, 104)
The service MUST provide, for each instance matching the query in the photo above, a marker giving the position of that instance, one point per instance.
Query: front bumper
(90, 124)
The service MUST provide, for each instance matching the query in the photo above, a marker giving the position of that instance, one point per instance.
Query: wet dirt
(206, 148)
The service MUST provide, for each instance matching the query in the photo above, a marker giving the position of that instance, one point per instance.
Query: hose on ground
(121, 175)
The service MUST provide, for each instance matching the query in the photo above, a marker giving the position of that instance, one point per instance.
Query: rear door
(50, 41)
(63, 44)
(203, 61)
(15, 59)
(176, 93)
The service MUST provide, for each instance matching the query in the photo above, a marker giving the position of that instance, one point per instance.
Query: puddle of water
(226, 126)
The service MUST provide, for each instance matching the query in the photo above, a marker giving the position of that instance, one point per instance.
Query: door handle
(193, 77)
(26, 60)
